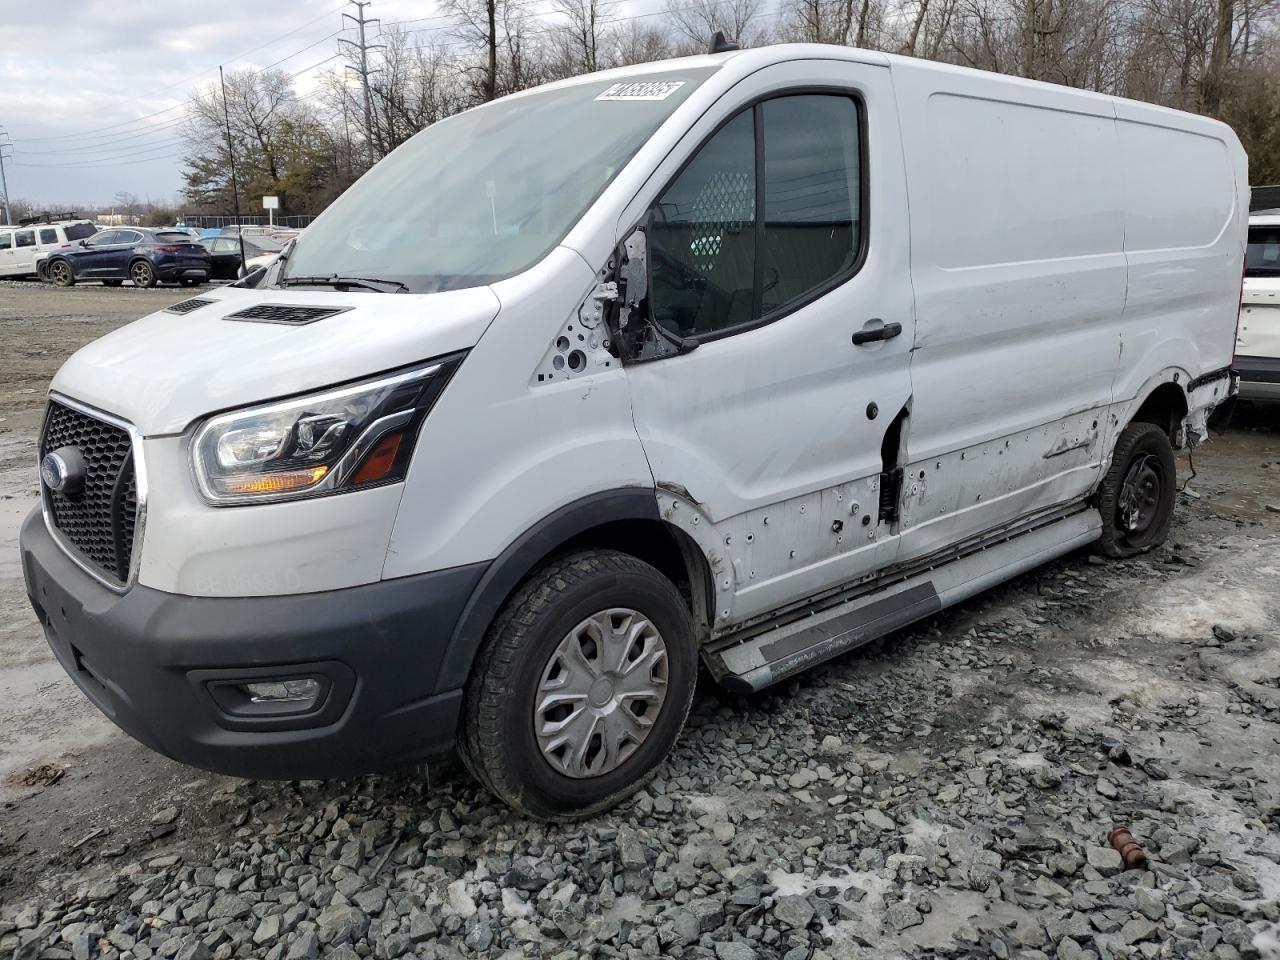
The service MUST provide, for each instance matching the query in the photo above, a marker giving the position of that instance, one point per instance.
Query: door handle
(871, 334)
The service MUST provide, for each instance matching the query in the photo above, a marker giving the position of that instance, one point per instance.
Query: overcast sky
(91, 91)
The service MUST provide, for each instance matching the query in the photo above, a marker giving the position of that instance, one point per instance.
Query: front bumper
(1259, 377)
(161, 665)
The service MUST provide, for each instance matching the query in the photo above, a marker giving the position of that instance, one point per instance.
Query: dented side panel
(766, 444)
(980, 487)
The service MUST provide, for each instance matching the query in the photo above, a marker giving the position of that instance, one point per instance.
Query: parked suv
(23, 246)
(1258, 338)
(130, 253)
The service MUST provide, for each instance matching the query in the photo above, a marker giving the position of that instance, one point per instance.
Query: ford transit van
(738, 360)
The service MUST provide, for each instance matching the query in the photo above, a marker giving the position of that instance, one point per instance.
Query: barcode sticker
(642, 90)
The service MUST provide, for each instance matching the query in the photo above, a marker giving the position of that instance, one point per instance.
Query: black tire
(1137, 494)
(61, 274)
(498, 742)
(142, 274)
(112, 283)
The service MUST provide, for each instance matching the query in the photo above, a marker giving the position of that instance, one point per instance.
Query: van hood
(168, 369)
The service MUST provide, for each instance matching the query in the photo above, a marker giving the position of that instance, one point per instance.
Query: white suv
(24, 245)
(1258, 336)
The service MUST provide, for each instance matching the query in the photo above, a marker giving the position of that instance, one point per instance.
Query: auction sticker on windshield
(642, 90)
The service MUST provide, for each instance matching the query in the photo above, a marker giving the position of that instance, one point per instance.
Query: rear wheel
(60, 274)
(141, 274)
(1137, 495)
(582, 686)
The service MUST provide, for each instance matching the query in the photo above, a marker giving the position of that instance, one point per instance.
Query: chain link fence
(209, 222)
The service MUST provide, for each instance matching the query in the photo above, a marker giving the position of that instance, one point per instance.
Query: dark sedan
(225, 252)
(130, 253)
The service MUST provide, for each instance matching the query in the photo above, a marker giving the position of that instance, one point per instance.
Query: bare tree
(695, 22)
(584, 35)
(127, 204)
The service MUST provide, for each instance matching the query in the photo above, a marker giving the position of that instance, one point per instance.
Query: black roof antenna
(720, 45)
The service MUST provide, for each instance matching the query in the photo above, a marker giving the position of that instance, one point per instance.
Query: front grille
(285, 313)
(186, 306)
(98, 520)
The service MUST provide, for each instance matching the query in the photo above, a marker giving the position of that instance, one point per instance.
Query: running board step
(794, 647)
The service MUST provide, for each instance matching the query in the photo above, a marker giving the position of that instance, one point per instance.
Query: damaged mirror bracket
(636, 336)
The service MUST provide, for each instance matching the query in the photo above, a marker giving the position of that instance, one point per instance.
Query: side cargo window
(48, 235)
(24, 238)
(716, 264)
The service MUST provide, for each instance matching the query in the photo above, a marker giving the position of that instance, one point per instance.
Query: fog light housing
(300, 691)
(288, 696)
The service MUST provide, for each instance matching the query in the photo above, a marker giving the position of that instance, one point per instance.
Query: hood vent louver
(290, 314)
(186, 306)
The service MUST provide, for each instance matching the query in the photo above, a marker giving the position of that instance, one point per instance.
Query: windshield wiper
(366, 283)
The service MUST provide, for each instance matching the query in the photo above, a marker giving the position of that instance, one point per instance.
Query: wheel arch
(626, 520)
(1162, 400)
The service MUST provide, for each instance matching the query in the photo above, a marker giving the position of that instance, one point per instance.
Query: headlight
(343, 439)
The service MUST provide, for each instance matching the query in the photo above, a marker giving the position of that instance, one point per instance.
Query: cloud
(80, 78)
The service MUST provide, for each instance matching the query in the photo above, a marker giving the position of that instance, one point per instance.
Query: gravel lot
(946, 792)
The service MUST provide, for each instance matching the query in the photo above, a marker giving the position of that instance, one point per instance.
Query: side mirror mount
(84, 242)
(638, 337)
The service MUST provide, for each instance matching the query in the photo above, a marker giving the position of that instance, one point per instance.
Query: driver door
(92, 260)
(778, 250)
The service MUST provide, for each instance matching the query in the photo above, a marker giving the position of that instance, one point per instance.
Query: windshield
(1262, 257)
(487, 193)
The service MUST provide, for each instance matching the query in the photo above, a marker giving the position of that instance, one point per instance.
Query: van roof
(740, 63)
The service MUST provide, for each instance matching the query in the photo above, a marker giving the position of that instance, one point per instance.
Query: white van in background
(22, 245)
(1258, 336)
(745, 358)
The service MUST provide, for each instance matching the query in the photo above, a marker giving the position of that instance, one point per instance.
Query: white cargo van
(743, 359)
(1258, 337)
(21, 246)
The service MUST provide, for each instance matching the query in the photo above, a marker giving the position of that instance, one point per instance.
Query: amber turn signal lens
(284, 482)
(378, 464)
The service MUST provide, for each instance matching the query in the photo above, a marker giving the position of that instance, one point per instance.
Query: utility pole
(4, 185)
(361, 21)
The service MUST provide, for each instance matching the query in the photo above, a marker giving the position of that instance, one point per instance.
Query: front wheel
(61, 275)
(582, 686)
(141, 274)
(1136, 499)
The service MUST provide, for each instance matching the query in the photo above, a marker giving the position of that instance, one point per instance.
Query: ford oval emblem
(62, 471)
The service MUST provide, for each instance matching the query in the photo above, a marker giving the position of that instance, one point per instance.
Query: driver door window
(717, 264)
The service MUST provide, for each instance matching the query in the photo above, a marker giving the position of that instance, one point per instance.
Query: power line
(94, 166)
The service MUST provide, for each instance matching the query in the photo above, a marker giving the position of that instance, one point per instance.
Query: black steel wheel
(1137, 495)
